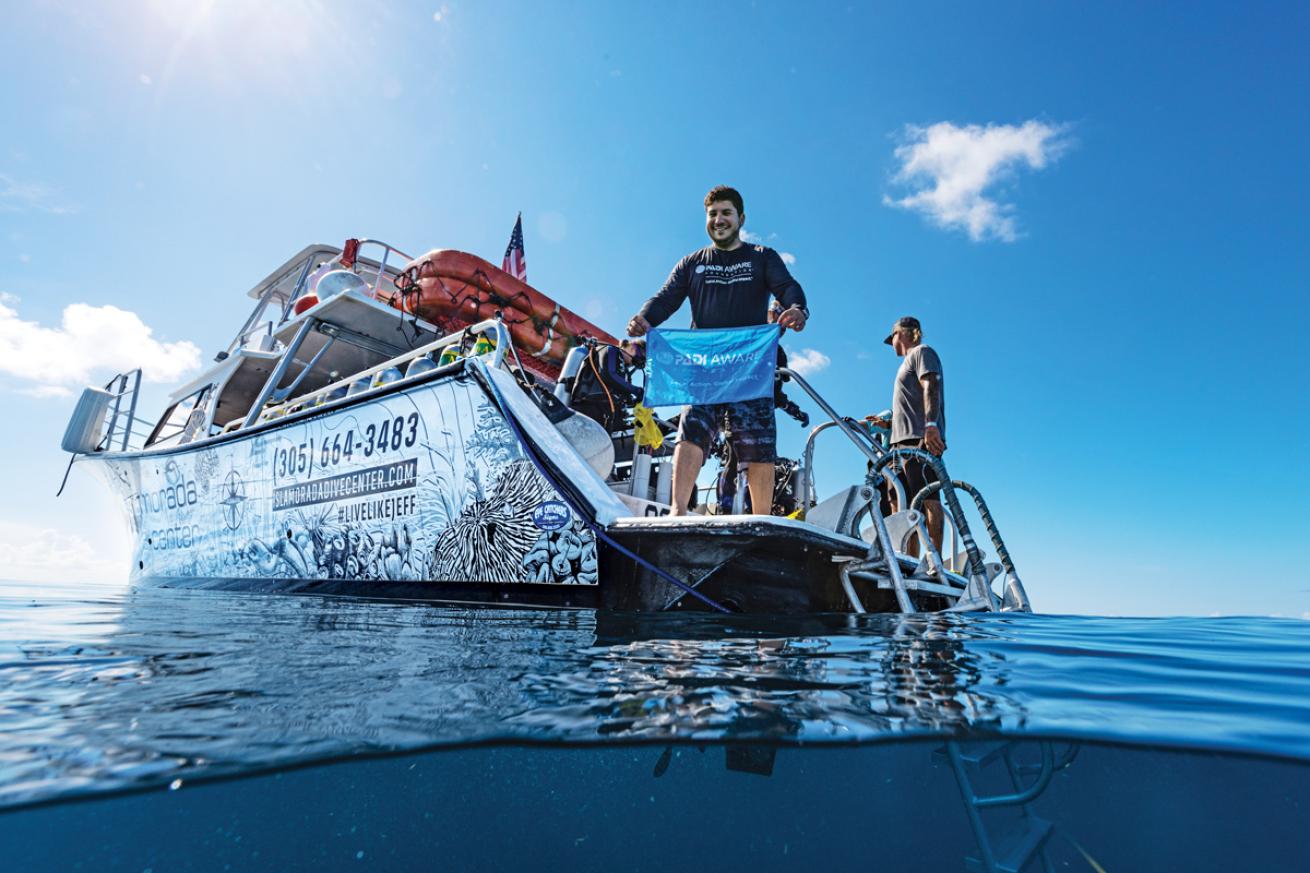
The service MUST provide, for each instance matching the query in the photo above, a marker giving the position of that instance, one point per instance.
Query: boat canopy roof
(284, 280)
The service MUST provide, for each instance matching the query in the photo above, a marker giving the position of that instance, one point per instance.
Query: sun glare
(250, 45)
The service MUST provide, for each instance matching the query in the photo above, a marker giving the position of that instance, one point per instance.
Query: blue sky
(1122, 341)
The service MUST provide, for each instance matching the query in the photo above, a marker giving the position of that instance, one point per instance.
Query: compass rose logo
(234, 500)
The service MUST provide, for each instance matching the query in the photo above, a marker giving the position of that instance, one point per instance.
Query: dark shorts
(915, 474)
(751, 423)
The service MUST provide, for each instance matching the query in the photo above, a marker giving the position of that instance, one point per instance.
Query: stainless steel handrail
(497, 360)
(111, 422)
(810, 497)
(387, 249)
(850, 432)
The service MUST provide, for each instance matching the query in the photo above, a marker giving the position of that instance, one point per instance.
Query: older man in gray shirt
(918, 415)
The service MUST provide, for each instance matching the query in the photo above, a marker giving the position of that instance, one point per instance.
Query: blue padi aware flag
(701, 367)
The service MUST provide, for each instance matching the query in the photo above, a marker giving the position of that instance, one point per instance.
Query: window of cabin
(183, 421)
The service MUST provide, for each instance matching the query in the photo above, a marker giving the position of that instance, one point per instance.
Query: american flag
(515, 264)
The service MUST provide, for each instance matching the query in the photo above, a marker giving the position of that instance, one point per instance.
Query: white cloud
(47, 391)
(755, 239)
(807, 362)
(951, 170)
(90, 340)
(19, 196)
(35, 554)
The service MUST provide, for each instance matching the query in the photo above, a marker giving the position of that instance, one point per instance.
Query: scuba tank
(484, 346)
(568, 374)
(449, 355)
(641, 461)
(664, 481)
(335, 394)
(386, 377)
(420, 365)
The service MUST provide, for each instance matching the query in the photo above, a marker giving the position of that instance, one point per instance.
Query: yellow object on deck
(484, 345)
(646, 432)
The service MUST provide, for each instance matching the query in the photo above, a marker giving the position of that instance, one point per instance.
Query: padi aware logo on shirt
(717, 274)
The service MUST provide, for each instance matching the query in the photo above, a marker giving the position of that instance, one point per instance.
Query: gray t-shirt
(907, 397)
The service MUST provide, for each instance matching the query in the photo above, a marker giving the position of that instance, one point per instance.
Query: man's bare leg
(936, 519)
(687, 461)
(759, 478)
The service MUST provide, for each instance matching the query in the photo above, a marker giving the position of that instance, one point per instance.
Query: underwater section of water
(107, 690)
(893, 806)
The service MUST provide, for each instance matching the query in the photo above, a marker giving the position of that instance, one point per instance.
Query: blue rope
(595, 528)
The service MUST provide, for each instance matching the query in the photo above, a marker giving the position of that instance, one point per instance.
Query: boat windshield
(183, 421)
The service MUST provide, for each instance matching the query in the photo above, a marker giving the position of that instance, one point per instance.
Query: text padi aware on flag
(515, 263)
(702, 367)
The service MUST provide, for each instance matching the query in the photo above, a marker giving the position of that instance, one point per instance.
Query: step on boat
(391, 426)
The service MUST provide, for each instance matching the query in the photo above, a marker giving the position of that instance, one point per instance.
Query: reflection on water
(121, 690)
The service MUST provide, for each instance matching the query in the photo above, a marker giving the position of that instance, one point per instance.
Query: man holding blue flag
(729, 285)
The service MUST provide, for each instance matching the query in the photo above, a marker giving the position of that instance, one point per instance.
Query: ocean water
(155, 730)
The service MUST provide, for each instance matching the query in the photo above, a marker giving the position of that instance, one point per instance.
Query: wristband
(928, 424)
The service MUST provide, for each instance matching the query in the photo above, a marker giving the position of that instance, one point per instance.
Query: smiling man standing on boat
(729, 284)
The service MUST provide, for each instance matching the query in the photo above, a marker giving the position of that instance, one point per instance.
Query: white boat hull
(423, 484)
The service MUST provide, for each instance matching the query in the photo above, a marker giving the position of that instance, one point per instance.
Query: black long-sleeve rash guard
(727, 289)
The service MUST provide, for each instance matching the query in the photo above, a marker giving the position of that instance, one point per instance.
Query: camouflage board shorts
(751, 423)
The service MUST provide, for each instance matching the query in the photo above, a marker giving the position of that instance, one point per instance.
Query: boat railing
(809, 492)
(276, 304)
(387, 251)
(121, 424)
(862, 442)
(881, 560)
(262, 329)
(349, 258)
(268, 300)
(324, 395)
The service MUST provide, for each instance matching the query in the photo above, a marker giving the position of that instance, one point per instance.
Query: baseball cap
(905, 322)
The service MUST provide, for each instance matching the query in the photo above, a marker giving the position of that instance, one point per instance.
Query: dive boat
(400, 427)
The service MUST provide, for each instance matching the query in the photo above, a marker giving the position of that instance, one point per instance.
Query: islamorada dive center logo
(353, 488)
